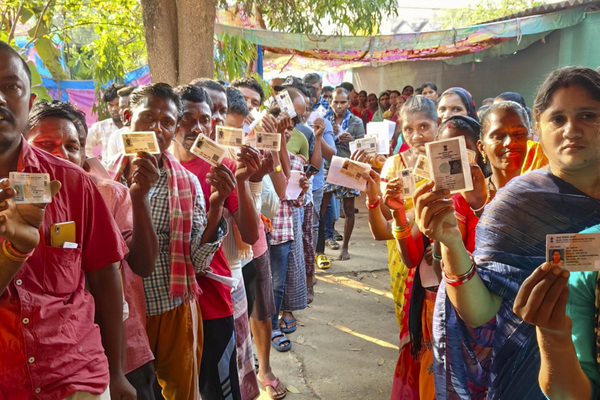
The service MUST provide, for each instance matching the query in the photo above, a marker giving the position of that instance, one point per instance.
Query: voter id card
(574, 251)
(208, 150)
(30, 187)
(136, 142)
(230, 137)
(268, 141)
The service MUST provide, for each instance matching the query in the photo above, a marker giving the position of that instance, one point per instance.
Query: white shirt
(98, 135)
(115, 144)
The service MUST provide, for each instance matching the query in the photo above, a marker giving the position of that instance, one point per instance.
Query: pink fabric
(84, 100)
(335, 78)
(260, 247)
(137, 349)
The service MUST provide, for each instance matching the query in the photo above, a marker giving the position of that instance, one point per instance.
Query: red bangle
(457, 280)
(16, 252)
(374, 205)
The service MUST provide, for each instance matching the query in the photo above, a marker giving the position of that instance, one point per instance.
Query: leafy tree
(483, 11)
(94, 39)
(357, 17)
(179, 33)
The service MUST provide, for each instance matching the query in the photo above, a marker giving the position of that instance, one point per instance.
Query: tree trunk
(179, 38)
(196, 29)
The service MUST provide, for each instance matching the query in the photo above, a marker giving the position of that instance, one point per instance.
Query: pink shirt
(50, 346)
(137, 349)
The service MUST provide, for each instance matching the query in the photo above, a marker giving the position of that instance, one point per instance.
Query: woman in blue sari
(511, 244)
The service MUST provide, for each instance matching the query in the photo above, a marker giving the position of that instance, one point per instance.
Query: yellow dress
(413, 379)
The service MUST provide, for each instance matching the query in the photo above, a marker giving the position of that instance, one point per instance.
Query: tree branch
(37, 27)
(11, 34)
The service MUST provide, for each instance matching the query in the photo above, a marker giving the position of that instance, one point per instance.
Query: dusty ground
(346, 343)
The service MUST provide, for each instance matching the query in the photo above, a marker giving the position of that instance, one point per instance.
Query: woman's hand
(478, 197)
(542, 299)
(434, 214)
(360, 156)
(373, 180)
(392, 196)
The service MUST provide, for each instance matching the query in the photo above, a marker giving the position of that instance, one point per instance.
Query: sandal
(277, 344)
(323, 261)
(333, 244)
(287, 328)
(274, 384)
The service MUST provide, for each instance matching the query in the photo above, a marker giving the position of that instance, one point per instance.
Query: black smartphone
(310, 169)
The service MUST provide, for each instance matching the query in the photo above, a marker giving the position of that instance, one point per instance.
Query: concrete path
(345, 346)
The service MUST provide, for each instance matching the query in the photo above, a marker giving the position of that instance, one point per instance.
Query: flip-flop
(274, 384)
(323, 261)
(288, 328)
(277, 344)
(332, 243)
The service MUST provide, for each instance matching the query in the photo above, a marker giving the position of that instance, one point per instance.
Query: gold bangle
(11, 256)
(403, 233)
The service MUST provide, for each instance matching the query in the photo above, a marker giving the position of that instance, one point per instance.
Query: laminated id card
(135, 142)
(230, 137)
(30, 187)
(574, 251)
(208, 150)
(449, 165)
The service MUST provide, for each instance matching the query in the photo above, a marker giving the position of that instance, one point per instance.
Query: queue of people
(171, 267)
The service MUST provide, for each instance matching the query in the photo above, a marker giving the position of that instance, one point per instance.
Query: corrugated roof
(593, 5)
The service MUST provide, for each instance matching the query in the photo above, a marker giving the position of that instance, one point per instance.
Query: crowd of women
(481, 314)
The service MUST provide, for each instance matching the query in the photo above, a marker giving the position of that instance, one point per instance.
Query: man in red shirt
(50, 346)
(218, 374)
(60, 129)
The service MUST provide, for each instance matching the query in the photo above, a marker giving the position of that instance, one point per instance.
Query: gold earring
(483, 156)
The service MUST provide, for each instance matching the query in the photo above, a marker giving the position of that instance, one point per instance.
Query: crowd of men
(169, 267)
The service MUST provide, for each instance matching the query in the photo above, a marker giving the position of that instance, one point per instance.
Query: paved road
(346, 343)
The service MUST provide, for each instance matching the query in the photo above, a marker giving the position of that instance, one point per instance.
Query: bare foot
(344, 255)
(310, 295)
(275, 389)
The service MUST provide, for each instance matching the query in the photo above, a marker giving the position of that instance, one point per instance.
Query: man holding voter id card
(347, 127)
(52, 252)
(188, 237)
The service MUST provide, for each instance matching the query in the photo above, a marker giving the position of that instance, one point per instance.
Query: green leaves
(356, 17)
(97, 40)
(233, 57)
